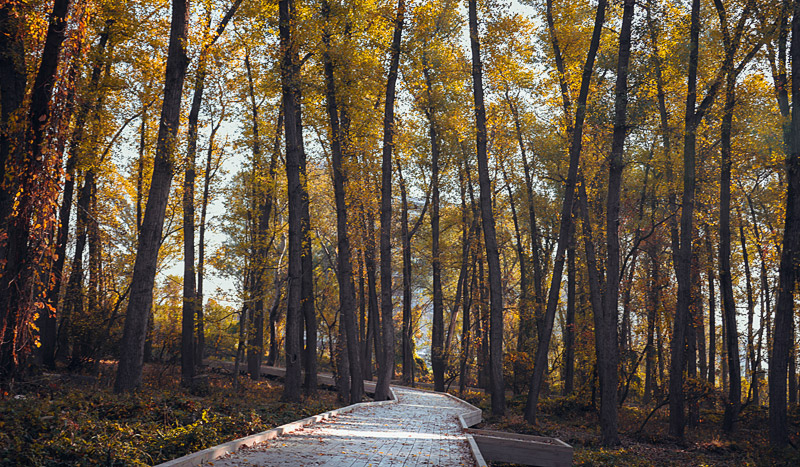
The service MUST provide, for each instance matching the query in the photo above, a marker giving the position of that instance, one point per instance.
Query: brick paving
(421, 429)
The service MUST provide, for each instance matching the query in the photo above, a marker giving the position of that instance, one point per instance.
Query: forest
(582, 209)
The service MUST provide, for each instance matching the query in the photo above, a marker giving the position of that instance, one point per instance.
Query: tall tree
(129, 370)
(790, 254)
(290, 84)
(386, 370)
(693, 116)
(606, 332)
(489, 234)
(731, 41)
(21, 189)
(190, 298)
(546, 328)
(347, 294)
(438, 359)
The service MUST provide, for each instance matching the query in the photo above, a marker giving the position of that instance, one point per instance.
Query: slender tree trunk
(208, 175)
(608, 358)
(49, 325)
(691, 339)
(466, 324)
(523, 303)
(408, 353)
(793, 367)
(569, 334)
(437, 333)
(19, 176)
(290, 76)
(13, 79)
(347, 296)
(652, 307)
(255, 347)
(712, 311)
(366, 329)
(129, 371)
(74, 309)
(790, 252)
(373, 310)
(387, 368)
(240, 344)
(694, 114)
(751, 307)
(733, 403)
(407, 235)
(309, 316)
(528, 313)
(489, 235)
(540, 364)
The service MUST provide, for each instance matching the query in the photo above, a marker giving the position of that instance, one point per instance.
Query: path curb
(215, 452)
(471, 418)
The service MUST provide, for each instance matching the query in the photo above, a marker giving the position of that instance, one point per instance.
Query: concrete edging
(471, 418)
(215, 452)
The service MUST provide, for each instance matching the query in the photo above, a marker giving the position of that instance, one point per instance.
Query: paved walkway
(421, 429)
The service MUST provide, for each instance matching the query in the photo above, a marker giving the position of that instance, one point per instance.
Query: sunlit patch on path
(420, 429)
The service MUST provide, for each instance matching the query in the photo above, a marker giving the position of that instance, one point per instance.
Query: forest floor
(575, 421)
(68, 419)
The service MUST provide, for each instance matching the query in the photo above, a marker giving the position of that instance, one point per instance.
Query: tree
(190, 298)
(693, 116)
(347, 296)
(489, 234)
(24, 190)
(546, 328)
(386, 370)
(790, 254)
(129, 371)
(606, 327)
(290, 74)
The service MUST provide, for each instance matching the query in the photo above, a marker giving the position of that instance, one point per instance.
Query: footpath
(420, 429)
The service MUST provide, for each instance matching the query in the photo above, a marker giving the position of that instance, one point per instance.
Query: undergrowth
(574, 420)
(60, 420)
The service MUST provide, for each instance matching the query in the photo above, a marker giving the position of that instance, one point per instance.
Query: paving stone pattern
(421, 429)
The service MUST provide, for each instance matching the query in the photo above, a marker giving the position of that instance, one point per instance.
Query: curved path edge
(215, 452)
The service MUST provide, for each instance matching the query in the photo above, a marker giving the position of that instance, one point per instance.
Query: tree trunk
(365, 328)
(540, 364)
(569, 334)
(733, 403)
(387, 368)
(208, 175)
(694, 114)
(695, 315)
(712, 312)
(373, 311)
(466, 323)
(347, 296)
(790, 256)
(129, 372)
(13, 79)
(309, 316)
(74, 327)
(608, 357)
(751, 307)
(48, 326)
(652, 309)
(523, 303)
(406, 236)
(489, 235)
(20, 176)
(408, 352)
(528, 314)
(290, 77)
